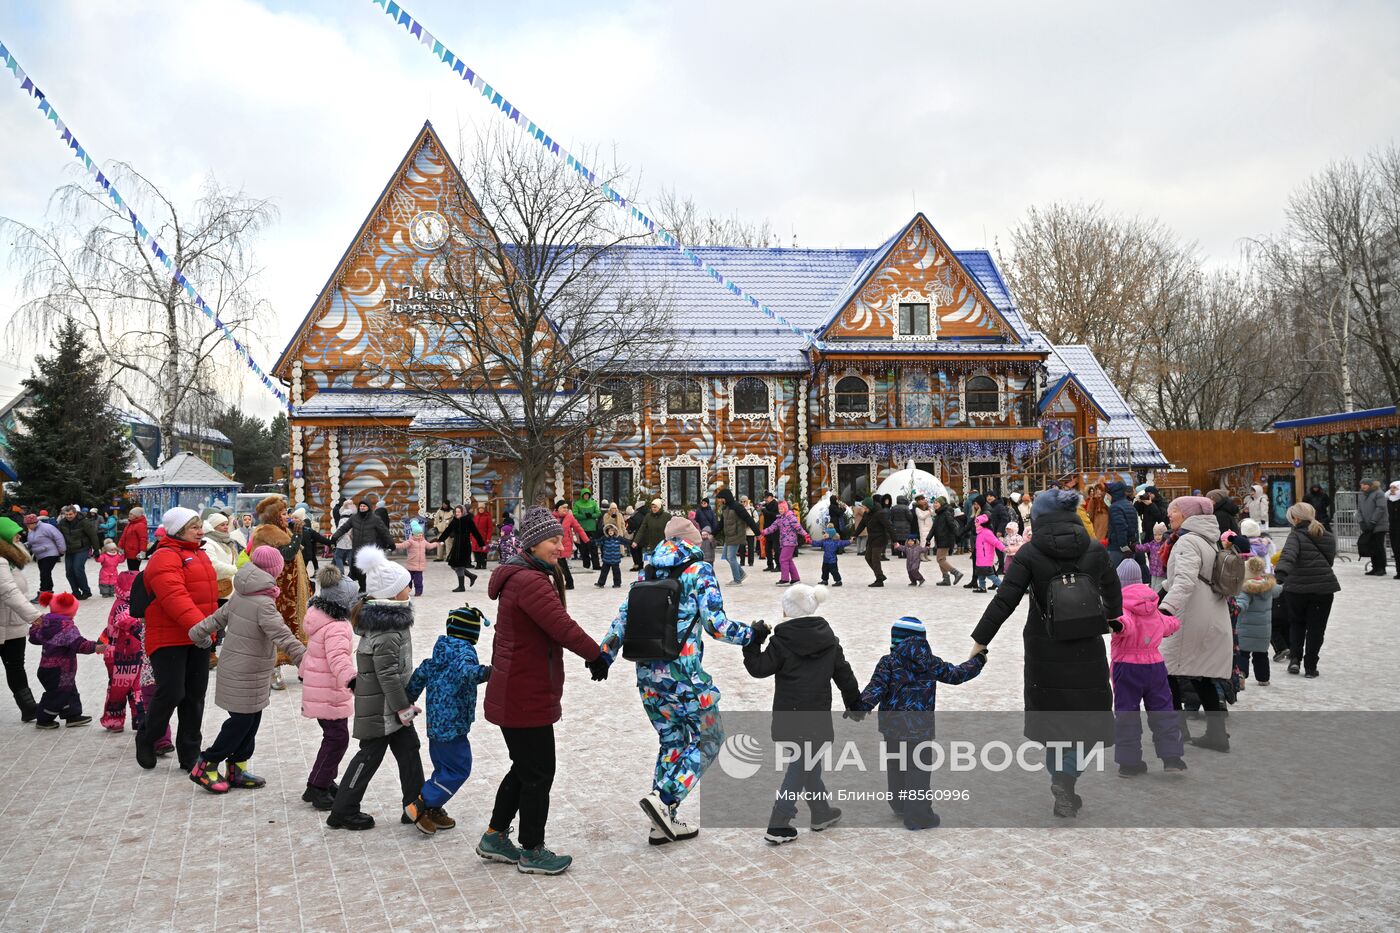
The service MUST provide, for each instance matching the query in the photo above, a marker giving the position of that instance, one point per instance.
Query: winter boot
(659, 813)
(207, 776)
(417, 814)
(944, 582)
(461, 586)
(541, 861)
(28, 709)
(472, 577)
(320, 798)
(239, 776)
(440, 819)
(78, 721)
(1216, 738)
(145, 753)
(825, 818)
(683, 831)
(1173, 765)
(1129, 771)
(1067, 802)
(352, 821)
(497, 847)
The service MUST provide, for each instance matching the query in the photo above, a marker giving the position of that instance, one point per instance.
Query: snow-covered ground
(90, 841)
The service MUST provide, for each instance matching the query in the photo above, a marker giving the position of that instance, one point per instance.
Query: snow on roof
(186, 469)
(1079, 360)
(426, 415)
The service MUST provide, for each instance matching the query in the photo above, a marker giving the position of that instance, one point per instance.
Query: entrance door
(1280, 499)
(983, 475)
(852, 481)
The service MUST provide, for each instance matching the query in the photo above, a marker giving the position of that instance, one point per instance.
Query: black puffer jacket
(1305, 566)
(78, 534)
(365, 528)
(803, 656)
(945, 528)
(1059, 675)
(901, 520)
(875, 523)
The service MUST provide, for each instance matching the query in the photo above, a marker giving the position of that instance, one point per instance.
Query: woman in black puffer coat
(1069, 676)
(365, 529)
(1305, 571)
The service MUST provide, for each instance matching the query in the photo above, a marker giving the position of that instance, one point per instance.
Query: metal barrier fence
(1346, 523)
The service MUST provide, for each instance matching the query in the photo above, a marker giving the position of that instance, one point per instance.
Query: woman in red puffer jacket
(184, 590)
(527, 679)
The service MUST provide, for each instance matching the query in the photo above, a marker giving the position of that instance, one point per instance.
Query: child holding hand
(58, 664)
(417, 547)
(1139, 677)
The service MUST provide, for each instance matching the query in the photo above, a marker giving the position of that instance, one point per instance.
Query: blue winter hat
(1054, 500)
(906, 627)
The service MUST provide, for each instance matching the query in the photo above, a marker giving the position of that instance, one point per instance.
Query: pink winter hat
(1193, 505)
(269, 560)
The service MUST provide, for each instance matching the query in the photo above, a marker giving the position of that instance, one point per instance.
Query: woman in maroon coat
(527, 679)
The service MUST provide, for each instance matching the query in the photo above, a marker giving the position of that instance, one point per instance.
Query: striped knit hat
(906, 627)
(465, 622)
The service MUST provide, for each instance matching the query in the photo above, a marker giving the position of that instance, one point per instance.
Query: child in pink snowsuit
(984, 559)
(417, 547)
(110, 559)
(789, 529)
(1140, 678)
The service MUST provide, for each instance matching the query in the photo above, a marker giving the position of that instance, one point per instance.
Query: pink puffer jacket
(328, 667)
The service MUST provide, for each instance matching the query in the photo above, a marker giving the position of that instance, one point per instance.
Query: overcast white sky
(834, 121)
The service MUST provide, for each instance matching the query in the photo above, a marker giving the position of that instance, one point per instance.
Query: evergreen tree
(253, 453)
(72, 445)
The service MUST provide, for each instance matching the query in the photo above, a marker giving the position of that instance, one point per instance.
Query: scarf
(219, 536)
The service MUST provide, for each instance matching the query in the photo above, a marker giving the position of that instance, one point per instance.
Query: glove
(760, 632)
(351, 685)
(406, 716)
(598, 667)
(854, 715)
(1115, 624)
(485, 673)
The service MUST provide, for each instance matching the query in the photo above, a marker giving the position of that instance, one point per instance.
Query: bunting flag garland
(494, 97)
(66, 135)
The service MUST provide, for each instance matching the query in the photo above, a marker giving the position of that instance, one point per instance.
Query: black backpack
(1073, 605)
(140, 598)
(653, 609)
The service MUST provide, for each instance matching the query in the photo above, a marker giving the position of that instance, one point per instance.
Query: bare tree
(1210, 364)
(532, 329)
(682, 218)
(1347, 217)
(1083, 275)
(166, 358)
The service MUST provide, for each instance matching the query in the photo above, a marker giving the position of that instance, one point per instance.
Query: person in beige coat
(254, 631)
(1202, 651)
(17, 613)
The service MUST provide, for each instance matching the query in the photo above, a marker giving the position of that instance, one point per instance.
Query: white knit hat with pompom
(802, 600)
(384, 579)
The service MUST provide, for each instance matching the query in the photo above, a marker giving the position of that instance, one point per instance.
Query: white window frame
(617, 462)
(967, 480)
(871, 471)
(832, 380)
(969, 417)
(421, 469)
(910, 296)
(703, 415)
(731, 466)
(769, 415)
(684, 460)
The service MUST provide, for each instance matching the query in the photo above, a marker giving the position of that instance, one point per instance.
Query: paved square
(90, 841)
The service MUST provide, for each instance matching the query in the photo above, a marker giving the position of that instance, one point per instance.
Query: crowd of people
(1194, 598)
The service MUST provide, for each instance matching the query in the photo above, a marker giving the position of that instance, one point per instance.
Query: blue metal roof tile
(1079, 361)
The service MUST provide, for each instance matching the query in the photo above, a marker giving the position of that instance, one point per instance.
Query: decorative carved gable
(920, 268)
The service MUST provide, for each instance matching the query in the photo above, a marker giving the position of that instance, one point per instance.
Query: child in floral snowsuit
(58, 665)
(679, 698)
(508, 547)
(127, 664)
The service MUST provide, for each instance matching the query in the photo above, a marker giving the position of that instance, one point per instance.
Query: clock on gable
(428, 230)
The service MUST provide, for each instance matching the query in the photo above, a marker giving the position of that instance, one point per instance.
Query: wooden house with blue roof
(910, 351)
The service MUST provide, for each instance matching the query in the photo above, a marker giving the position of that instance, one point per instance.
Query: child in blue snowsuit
(904, 688)
(832, 545)
(451, 675)
(610, 550)
(679, 698)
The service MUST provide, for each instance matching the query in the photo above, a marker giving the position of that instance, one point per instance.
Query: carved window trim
(834, 478)
(731, 466)
(831, 383)
(663, 387)
(910, 296)
(973, 417)
(684, 460)
(770, 415)
(634, 417)
(616, 462)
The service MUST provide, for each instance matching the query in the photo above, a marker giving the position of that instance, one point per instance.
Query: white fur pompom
(369, 557)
